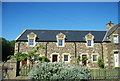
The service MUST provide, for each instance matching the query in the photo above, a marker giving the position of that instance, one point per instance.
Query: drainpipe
(19, 46)
(102, 50)
(75, 49)
(46, 49)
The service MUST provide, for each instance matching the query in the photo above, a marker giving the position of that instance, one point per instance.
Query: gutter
(75, 50)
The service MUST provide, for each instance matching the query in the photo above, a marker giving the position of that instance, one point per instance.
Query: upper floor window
(60, 40)
(89, 43)
(65, 57)
(89, 39)
(31, 39)
(31, 42)
(60, 43)
(115, 39)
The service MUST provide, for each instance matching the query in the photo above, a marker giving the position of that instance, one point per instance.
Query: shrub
(117, 67)
(100, 62)
(43, 59)
(58, 70)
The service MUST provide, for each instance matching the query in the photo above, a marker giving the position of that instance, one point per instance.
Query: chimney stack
(109, 25)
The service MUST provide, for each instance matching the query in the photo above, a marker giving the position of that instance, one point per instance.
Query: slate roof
(71, 35)
(110, 32)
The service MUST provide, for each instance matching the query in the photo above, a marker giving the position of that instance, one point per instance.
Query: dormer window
(89, 43)
(60, 40)
(60, 43)
(89, 40)
(31, 39)
(31, 42)
(115, 39)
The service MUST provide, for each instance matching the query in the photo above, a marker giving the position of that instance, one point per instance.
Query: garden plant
(58, 71)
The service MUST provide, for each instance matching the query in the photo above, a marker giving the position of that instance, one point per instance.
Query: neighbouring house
(66, 45)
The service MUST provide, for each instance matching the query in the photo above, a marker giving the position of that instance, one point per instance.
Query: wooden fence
(24, 70)
(95, 73)
(105, 73)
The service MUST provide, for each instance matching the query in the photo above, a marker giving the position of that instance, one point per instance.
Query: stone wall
(8, 69)
(69, 48)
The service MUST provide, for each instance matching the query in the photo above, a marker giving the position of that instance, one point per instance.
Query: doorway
(54, 58)
(84, 61)
(116, 59)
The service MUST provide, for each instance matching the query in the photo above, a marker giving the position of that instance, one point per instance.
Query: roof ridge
(63, 30)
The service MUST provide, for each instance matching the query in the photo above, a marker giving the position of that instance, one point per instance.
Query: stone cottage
(66, 45)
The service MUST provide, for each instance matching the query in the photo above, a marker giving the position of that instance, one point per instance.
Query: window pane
(115, 39)
(31, 42)
(60, 42)
(94, 57)
(65, 57)
(89, 43)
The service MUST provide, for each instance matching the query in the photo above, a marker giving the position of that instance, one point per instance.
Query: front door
(84, 61)
(116, 59)
(24, 62)
(54, 58)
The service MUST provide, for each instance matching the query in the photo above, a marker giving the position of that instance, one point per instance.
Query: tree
(30, 55)
(7, 48)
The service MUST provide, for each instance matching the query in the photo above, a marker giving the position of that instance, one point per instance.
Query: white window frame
(91, 43)
(63, 42)
(96, 57)
(68, 57)
(33, 42)
(117, 39)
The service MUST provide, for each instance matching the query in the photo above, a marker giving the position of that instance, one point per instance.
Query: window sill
(94, 61)
(31, 46)
(89, 46)
(60, 46)
(116, 43)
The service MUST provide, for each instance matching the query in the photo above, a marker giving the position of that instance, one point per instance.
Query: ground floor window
(94, 58)
(65, 57)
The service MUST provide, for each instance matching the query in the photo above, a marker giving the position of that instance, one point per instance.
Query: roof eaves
(64, 30)
(21, 34)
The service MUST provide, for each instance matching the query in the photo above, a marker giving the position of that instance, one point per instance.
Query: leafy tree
(100, 62)
(43, 59)
(7, 48)
(30, 55)
(19, 56)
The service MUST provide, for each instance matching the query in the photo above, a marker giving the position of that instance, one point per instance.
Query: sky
(18, 16)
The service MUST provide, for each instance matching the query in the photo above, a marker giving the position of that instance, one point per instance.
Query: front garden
(60, 70)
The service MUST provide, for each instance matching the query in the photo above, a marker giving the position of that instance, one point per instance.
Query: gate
(24, 70)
